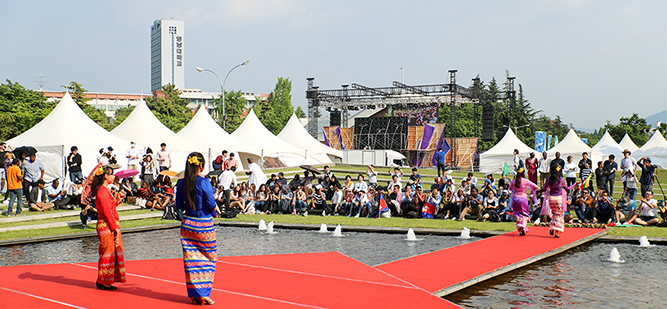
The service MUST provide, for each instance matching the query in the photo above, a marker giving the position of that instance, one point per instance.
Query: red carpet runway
(306, 280)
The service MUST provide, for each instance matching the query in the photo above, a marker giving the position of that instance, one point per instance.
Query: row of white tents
(494, 159)
(67, 125)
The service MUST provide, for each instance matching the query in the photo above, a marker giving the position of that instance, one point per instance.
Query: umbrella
(168, 173)
(180, 175)
(214, 173)
(310, 168)
(127, 173)
(28, 150)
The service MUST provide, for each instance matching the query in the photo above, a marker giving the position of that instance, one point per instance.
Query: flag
(441, 143)
(340, 138)
(586, 182)
(555, 140)
(428, 211)
(540, 137)
(383, 205)
(506, 169)
(585, 140)
(549, 142)
(326, 140)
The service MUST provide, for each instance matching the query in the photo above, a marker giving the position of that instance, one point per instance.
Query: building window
(172, 30)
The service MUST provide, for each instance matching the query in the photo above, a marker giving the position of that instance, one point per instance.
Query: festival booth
(627, 143)
(296, 135)
(253, 133)
(494, 159)
(572, 145)
(205, 132)
(655, 149)
(66, 126)
(146, 130)
(607, 145)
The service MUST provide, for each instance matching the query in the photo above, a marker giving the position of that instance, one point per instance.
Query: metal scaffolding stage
(400, 95)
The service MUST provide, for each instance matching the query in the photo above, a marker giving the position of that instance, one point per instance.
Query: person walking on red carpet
(557, 198)
(111, 265)
(519, 199)
(195, 195)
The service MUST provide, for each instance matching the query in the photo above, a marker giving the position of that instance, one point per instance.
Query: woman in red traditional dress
(111, 265)
(531, 166)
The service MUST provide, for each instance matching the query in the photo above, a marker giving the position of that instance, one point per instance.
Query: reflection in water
(579, 278)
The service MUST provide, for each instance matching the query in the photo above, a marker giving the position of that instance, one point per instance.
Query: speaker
(334, 119)
(488, 122)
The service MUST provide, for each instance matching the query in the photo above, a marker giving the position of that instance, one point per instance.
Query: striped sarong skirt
(111, 265)
(200, 254)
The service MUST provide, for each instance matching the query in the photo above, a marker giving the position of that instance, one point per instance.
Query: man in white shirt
(360, 185)
(544, 167)
(372, 176)
(132, 156)
(57, 196)
(628, 162)
(649, 210)
(164, 158)
(37, 200)
(227, 179)
(395, 181)
(255, 174)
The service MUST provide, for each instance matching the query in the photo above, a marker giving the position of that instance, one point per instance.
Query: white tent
(572, 145)
(627, 143)
(146, 130)
(203, 131)
(253, 132)
(295, 134)
(655, 149)
(66, 126)
(495, 158)
(607, 145)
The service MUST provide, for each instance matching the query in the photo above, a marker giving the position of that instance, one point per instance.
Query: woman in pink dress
(519, 200)
(531, 166)
(557, 197)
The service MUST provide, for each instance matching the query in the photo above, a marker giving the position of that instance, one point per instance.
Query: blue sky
(587, 61)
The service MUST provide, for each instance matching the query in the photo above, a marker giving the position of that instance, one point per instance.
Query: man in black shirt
(646, 180)
(558, 161)
(582, 163)
(610, 168)
(600, 178)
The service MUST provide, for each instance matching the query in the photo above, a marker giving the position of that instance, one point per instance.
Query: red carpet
(315, 280)
(445, 268)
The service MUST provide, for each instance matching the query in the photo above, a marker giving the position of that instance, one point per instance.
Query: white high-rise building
(167, 54)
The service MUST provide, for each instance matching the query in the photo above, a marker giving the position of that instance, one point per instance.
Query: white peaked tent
(295, 134)
(203, 131)
(627, 143)
(572, 145)
(607, 145)
(655, 149)
(253, 132)
(146, 130)
(494, 159)
(66, 126)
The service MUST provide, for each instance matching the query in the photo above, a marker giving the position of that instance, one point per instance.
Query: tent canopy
(66, 126)
(572, 145)
(295, 134)
(627, 143)
(494, 159)
(253, 133)
(655, 149)
(607, 145)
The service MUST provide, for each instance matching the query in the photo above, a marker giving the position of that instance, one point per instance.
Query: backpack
(170, 213)
(217, 163)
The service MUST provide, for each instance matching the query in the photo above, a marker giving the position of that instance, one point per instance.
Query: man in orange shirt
(15, 187)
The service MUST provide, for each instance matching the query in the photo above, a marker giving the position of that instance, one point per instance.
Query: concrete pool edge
(352, 228)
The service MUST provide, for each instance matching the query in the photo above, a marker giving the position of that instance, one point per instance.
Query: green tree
(636, 127)
(170, 108)
(236, 107)
(280, 101)
(121, 115)
(662, 128)
(77, 91)
(300, 113)
(20, 109)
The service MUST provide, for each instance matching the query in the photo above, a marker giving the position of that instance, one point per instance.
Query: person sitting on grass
(348, 185)
(145, 195)
(395, 181)
(490, 208)
(360, 185)
(604, 209)
(299, 201)
(443, 209)
(456, 205)
(357, 204)
(431, 204)
(237, 200)
(337, 200)
(37, 199)
(370, 208)
(419, 200)
(272, 201)
(88, 212)
(57, 195)
(129, 187)
(407, 202)
(318, 201)
(583, 206)
(395, 199)
(474, 205)
(649, 206)
(348, 202)
(626, 210)
(260, 197)
(506, 213)
(286, 197)
(415, 178)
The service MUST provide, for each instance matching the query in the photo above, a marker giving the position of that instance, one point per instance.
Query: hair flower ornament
(194, 160)
(520, 170)
(99, 171)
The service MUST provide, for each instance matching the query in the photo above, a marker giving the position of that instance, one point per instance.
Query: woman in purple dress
(557, 198)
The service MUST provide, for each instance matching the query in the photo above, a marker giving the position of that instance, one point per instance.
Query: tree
(662, 128)
(77, 91)
(636, 127)
(236, 107)
(20, 109)
(170, 108)
(280, 101)
(299, 112)
(121, 115)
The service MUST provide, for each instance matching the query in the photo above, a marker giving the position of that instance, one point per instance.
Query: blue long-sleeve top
(204, 199)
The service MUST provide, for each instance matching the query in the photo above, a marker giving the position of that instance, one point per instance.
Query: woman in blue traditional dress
(195, 195)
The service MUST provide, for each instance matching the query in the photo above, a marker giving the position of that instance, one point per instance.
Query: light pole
(222, 88)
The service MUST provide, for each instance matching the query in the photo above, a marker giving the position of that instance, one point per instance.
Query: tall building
(167, 54)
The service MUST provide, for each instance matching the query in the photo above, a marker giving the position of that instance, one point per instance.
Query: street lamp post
(222, 88)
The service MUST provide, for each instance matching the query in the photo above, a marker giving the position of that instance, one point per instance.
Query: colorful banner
(549, 142)
(426, 140)
(340, 138)
(585, 140)
(540, 141)
(326, 140)
(442, 143)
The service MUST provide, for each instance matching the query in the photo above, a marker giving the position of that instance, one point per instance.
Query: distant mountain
(584, 130)
(661, 116)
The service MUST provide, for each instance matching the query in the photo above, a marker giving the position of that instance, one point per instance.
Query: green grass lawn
(65, 219)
